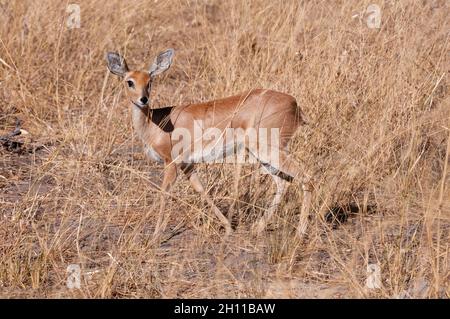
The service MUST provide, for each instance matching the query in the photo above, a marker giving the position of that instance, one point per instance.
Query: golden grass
(79, 190)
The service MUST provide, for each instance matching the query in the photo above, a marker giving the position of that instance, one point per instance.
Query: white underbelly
(216, 154)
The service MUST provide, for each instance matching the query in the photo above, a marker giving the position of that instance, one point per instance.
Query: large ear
(116, 63)
(162, 62)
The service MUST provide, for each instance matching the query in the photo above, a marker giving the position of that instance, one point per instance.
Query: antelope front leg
(198, 187)
(170, 175)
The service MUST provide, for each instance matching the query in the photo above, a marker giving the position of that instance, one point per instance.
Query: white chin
(140, 104)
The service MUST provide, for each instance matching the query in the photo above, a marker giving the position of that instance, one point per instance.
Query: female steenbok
(248, 116)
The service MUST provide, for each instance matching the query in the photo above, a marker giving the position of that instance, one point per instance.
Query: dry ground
(77, 189)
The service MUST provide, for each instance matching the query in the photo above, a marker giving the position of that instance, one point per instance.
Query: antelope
(255, 109)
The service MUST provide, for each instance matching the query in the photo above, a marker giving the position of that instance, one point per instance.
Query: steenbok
(246, 120)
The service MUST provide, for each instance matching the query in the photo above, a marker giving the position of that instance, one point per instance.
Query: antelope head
(139, 83)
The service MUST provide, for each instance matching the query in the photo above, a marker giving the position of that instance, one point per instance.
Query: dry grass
(79, 191)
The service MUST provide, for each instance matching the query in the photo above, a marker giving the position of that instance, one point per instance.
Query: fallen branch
(6, 139)
(16, 131)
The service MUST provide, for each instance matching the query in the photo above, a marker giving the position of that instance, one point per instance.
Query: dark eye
(130, 84)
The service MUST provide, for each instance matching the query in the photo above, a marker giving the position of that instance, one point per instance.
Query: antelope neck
(159, 116)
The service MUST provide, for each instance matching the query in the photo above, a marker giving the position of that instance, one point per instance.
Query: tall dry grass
(79, 191)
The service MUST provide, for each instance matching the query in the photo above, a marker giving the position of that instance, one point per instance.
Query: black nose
(144, 100)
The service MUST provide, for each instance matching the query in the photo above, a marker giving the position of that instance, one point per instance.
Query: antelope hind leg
(198, 187)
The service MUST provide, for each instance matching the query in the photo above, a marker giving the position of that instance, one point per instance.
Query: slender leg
(170, 175)
(261, 224)
(236, 192)
(288, 170)
(198, 187)
(307, 188)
